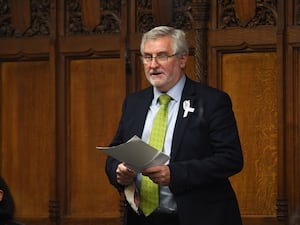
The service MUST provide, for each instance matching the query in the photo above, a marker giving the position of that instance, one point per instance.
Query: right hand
(125, 176)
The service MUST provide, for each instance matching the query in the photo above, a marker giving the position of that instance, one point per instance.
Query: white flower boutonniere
(187, 108)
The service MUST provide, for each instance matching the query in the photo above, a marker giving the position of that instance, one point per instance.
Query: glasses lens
(160, 58)
(146, 59)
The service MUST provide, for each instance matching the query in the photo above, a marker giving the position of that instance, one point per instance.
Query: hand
(125, 175)
(158, 174)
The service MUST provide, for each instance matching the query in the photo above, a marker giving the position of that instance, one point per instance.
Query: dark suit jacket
(10, 222)
(206, 151)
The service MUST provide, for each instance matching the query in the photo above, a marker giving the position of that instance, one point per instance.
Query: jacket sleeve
(111, 163)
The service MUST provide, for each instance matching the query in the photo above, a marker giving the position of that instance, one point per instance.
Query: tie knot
(164, 99)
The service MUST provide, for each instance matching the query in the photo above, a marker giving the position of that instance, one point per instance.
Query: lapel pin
(187, 108)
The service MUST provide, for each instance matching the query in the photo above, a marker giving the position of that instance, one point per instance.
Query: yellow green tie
(149, 193)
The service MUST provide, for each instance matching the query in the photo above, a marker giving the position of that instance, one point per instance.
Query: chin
(157, 83)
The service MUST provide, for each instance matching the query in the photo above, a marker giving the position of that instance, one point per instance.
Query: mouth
(155, 73)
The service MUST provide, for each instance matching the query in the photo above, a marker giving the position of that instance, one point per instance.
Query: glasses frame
(160, 58)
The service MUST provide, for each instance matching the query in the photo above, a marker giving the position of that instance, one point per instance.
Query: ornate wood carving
(110, 21)
(90, 13)
(54, 208)
(282, 209)
(39, 19)
(146, 18)
(266, 14)
(201, 17)
(20, 14)
(297, 12)
(163, 15)
(245, 10)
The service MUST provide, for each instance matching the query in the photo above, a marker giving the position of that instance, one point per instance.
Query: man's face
(1, 195)
(163, 72)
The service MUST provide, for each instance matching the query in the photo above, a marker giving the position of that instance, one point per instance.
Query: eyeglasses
(160, 58)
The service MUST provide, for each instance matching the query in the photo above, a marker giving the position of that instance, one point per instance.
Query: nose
(154, 63)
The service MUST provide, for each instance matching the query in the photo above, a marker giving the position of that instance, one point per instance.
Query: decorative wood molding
(90, 13)
(245, 10)
(109, 11)
(54, 208)
(18, 8)
(147, 18)
(200, 23)
(297, 12)
(12, 26)
(266, 14)
(282, 209)
(24, 56)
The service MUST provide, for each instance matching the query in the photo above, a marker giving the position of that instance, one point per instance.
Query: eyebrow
(159, 53)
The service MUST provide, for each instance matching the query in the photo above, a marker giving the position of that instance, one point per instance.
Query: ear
(183, 59)
(1, 195)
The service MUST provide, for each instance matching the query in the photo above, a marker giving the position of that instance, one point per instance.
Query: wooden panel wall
(244, 63)
(250, 78)
(65, 67)
(291, 108)
(93, 62)
(92, 122)
(249, 62)
(28, 134)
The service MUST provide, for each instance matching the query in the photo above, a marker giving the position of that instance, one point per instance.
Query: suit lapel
(181, 121)
(142, 110)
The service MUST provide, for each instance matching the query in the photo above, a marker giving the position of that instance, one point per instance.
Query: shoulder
(141, 93)
(16, 223)
(11, 222)
(205, 91)
(139, 96)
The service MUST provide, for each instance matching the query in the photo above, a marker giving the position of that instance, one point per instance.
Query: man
(7, 206)
(201, 139)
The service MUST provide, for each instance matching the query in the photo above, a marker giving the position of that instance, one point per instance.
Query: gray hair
(178, 38)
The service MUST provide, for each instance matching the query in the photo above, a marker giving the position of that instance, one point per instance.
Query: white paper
(136, 154)
(129, 194)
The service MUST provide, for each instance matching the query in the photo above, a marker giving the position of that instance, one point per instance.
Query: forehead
(161, 44)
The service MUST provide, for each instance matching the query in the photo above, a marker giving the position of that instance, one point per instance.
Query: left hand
(158, 174)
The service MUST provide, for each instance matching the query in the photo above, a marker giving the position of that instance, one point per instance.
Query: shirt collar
(175, 92)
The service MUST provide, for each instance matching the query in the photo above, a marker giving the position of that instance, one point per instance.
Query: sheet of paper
(136, 154)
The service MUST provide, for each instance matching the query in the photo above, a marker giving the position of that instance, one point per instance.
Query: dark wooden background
(65, 67)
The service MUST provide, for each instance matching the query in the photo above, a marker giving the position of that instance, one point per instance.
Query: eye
(148, 57)
(162, 56)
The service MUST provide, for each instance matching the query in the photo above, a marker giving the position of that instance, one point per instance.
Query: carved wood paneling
(297, 12)
(28, 135)
(200, 24)
(296, 213)
(20, 14)
(86, 71)
(91, 13)
(77, 19)
(95, 97)
(266, 14)
(250, 79)
(242, 40)
(148, 15)
(292, 127)
(245, 10)
(17, 21)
